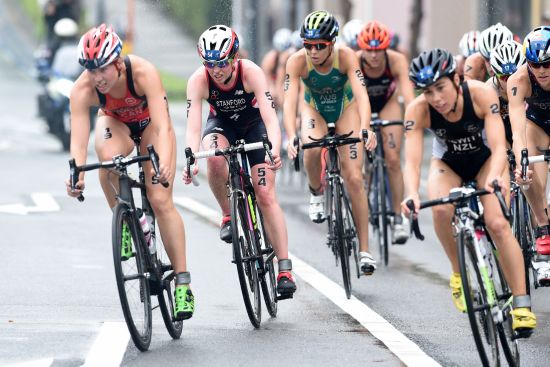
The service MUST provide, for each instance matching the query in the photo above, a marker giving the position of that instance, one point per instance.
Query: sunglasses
(503, 77)
(213, 64)
(545, 65)
(317, 45)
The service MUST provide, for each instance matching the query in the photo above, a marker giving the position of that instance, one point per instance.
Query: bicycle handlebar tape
(285, 265)
(415, 228)
(296, 144)
(183, 278)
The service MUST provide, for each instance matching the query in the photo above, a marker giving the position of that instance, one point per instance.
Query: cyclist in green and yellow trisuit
(335, 92)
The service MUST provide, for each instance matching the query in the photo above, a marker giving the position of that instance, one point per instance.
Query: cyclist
(272, 63)
(334, 93)
(468, 45)
(241, 107)
(132, 100)
(385, 71)
(531, 84)
(350, 31)
(506, 58)
(469, 145)
(477, 65)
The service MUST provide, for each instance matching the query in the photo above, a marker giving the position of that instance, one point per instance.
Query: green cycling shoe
(184, 302)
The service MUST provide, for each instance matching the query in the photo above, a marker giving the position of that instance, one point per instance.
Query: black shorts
(541, 121)
(137, 127)
(250, 133)
(467, 167)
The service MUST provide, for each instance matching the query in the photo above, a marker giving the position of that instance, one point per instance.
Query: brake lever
(155, 162)
(73, 172)
(415, 228)
(296, 144)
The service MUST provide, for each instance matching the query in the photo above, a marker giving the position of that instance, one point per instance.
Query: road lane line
(109, 346)
(46, 362)
(405, 349)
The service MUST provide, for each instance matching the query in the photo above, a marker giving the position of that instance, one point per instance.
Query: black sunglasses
(317, 45)
(545, 65)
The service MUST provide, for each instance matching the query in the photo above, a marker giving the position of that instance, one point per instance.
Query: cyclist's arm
(254, 81)
(197, 90)
(291, 88)
(351, 66)
(518, 87)
(486, 105)
(415, 123)
(474, 68)
(81, 99)
(401, 67)
(148, 80)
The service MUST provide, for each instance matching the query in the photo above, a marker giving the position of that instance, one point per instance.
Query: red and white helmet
(217, 43)
(99, 47)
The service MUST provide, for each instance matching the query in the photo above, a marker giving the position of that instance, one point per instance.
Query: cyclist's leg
(441, 180)
(112, 137)
(351, 159)
(314, 125)
(510, 255)
(392, 140)
(170, 222)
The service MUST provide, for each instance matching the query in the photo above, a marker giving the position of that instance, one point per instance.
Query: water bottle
(152, 235)
(145, 227)
(485, 251)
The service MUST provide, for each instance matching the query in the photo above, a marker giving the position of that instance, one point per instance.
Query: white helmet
(218, 43)
(506, 58)
(65, 28)
(296, 40)
(492, 37)
(281, 39)
(350, 31)
(469, 43)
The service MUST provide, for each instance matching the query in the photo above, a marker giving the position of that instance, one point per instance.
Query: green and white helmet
(319, 25)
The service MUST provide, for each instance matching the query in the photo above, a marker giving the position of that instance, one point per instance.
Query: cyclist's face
(220, 74)
(104, 78)
(374, 58)
(441, 95)
(318, 50)
(541, 73)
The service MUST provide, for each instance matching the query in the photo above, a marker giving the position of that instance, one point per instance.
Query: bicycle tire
(475, 296)
(131, 278)
(166, 297)
(244, 251)
(382, 212)
(341, 236)
(351, 233)
(268, 279)
(526, 240)
(505, 332)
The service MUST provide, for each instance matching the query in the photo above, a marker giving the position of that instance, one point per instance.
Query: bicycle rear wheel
(338, 197)
(166, 297)
(268, 279)
(350, 230)
(477, 305)
(244, 250)
(130, 272)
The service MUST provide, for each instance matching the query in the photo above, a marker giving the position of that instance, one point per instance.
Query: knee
(393, 162)
(265, 198)
(442, 214)
(498, 226)
(216, 164)
(160, 202)
(354, 182)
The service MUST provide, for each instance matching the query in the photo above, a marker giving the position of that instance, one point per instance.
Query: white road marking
(405, 349)
(109, 346)
(46, 362)
(44, 202)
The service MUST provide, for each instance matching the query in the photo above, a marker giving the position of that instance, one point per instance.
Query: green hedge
(195, 16)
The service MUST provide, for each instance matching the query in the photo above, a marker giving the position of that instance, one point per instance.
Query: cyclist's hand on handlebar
(415, 199)
(291, 150)
(164, 173)
(524, 181)
(194, 171)
(370, 144)
(78, 189)
(489, 183)
(276, 160)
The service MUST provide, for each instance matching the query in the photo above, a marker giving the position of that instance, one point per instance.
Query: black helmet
(430, 66)
(319, 25)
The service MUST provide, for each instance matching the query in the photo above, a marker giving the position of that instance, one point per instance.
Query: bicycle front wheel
(130, 272)
(338, 197)
(244, 251)
(268, 279)
(527, 240)
(474, 286)
(166, 296)
(350, 230)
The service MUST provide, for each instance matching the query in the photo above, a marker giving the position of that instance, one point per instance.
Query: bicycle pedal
(544, 283)
(282, 297)
(522, 334)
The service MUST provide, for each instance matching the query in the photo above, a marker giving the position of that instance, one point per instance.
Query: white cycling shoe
(543, 274)
(367, 263)
(317, 208)
(400, 235)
